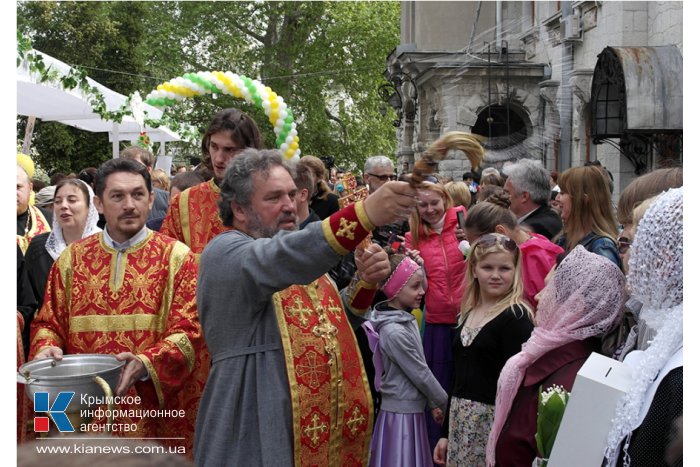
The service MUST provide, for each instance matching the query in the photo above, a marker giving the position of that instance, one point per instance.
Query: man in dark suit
(529, 189)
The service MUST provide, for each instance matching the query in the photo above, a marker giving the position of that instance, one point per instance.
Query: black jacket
(544, 221)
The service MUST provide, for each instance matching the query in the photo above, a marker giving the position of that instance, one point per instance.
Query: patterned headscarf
(55, 243)
(584, 299)
(656, 280)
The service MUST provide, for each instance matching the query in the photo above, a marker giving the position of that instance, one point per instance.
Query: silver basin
(75, 373)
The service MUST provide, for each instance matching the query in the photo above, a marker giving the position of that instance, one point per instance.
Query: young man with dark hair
(129, 292)
(193, 216)
(160, 197)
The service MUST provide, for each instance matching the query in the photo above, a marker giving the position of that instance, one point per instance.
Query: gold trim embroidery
(185, 216)
(355, 420)
(300, 311)
(44, 333)
(362, 216)
(346, 229)
(23, 240)
(355, 289)
(64, 263)
(114, 323)
(118, 282)
(183, 343)
(328, 331)
(178, 254)
(154, 377)
(289, 362)
(331, 239)
(23, 243)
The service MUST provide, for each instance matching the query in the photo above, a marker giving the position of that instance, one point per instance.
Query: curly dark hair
(245, 132)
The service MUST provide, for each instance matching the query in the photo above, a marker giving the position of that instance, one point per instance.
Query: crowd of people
(257, 321)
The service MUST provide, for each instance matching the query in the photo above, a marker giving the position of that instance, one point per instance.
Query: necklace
(486, 317)
(26, 226)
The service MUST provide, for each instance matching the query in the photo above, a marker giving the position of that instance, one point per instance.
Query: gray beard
(258, 230)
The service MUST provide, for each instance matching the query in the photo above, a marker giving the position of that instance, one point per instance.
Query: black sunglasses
(383, 178)
(489, 240)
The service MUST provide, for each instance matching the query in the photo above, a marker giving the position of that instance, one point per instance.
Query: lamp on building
(392, 97)
(394, 94)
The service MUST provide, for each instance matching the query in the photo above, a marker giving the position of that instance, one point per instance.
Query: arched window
(503, 126)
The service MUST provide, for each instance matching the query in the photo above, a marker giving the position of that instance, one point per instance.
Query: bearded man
(287, 385)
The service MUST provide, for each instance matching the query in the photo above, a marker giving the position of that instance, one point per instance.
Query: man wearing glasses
(378, 170)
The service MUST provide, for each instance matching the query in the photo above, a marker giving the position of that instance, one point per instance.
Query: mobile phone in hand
(460, 219)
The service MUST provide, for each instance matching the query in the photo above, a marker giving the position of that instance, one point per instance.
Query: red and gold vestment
(139, 300)
(39, 226)
(193, 216)
(332, 413)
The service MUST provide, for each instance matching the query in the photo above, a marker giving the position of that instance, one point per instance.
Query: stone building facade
(521, 74)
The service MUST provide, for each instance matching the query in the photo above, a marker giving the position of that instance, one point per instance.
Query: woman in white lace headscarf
(644, 417)
(581, 303)
(74, 217)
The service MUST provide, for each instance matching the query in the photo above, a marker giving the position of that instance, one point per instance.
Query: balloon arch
(241, 87)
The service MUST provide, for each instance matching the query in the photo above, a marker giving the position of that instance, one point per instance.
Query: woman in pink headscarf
(582, 303)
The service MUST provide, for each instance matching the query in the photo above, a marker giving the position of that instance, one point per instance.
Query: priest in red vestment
(130, 292)
(193, 215)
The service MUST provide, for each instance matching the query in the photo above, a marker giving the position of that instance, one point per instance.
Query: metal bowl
(74, 373)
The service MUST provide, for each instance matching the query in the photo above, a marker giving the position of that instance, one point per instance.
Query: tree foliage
(326, 59)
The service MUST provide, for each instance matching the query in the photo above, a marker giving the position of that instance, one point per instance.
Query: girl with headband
(402, 374)
(493, 323)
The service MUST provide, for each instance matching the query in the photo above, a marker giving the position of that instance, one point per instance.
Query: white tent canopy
(48, 101)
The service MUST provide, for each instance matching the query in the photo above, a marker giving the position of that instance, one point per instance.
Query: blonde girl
(493, 323)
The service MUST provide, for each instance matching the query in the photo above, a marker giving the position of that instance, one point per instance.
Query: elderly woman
(643, 422)
(581, 303)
